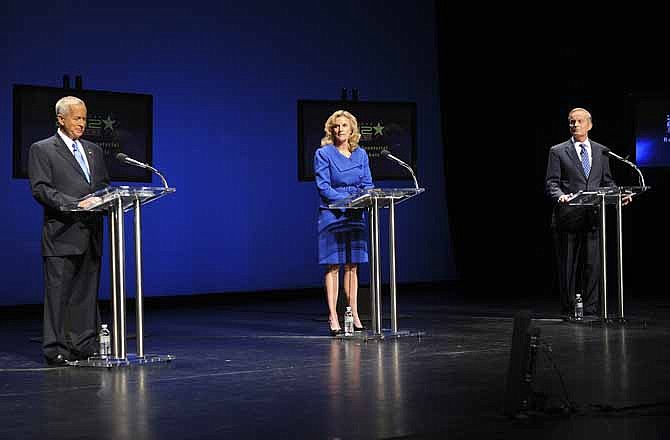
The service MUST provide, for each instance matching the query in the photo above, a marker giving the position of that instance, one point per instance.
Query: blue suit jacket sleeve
(337, 177)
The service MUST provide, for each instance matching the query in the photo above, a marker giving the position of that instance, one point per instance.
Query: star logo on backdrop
(109, 123)
(379, 129)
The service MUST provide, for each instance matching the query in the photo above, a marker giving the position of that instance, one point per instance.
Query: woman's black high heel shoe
(359, 329)
(333, 332)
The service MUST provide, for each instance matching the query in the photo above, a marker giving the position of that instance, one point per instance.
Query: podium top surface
(611, 195)
(128, 195)
(383, 196)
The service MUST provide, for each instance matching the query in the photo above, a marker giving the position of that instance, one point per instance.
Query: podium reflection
(366, 379)
(615, 368)
(115, 402)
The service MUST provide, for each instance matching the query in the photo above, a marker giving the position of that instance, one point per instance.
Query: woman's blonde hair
(330, 124)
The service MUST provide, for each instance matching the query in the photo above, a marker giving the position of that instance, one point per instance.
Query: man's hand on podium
(90, 202)
(565, 198)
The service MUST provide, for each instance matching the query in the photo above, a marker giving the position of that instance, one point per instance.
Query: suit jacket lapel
(596, 158)
(343, 163)
(64, 151)
(572, 153)
(89, 159)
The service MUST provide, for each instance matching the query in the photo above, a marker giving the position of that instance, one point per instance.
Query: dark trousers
(579, 269)
(70, 305)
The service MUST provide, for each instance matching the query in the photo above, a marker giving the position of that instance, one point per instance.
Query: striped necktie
(82, 162)
(585, 160)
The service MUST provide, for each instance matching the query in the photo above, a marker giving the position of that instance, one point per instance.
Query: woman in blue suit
(341, 168)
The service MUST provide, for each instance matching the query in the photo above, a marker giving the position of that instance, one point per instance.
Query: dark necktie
(585, 160)
(82, 162)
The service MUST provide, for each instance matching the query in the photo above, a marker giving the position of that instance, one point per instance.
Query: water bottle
(348, 322)
(105, 342)
(579, 308)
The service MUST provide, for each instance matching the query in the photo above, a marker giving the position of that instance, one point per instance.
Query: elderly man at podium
(63, 169)
(341, 168)
(577, 164)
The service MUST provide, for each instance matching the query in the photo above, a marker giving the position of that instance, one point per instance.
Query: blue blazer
(337, 177)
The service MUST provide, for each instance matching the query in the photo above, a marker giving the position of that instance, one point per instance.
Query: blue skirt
(343, 247)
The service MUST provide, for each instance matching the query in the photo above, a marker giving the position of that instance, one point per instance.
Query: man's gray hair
(580, 109)
(63, 104)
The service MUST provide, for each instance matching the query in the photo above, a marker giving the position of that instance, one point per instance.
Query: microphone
(387, 154)
(136, 163)
(608, 152)
(130, 161)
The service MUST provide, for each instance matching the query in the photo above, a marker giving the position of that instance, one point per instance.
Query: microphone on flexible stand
(608, 152)
(136, 163)
(388, 155)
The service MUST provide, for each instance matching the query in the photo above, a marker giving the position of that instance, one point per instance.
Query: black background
(35, 119)
(509, 77)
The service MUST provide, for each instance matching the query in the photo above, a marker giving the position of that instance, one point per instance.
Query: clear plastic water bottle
(579, 308)
(348, 322)
(105, 342)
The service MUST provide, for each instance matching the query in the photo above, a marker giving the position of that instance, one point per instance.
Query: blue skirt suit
(342, 236)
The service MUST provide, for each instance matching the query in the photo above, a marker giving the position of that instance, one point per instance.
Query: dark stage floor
(267, 369)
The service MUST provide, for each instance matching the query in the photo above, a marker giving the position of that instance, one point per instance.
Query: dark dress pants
(577, 244)
(70, 305)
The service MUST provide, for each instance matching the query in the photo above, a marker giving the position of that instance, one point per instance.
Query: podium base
(132, 359)
(384, 334)
(610, 322)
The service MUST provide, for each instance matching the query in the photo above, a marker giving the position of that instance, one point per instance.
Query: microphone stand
(631, 164)
(416, 184)
(403, 164)
(165, 184)
(130, 161)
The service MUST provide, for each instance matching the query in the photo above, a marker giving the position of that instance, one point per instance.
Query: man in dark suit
(64, 169)
(574, 165)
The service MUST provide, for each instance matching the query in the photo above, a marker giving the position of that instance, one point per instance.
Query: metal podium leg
(603, 257)
(114, 272)
(619, 255)
(375, 275)
(378, 271)
(394, 316)
(371, 262)
(120, 356)
(120, 319)
(139, 295)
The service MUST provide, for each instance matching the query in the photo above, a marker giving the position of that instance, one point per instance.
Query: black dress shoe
(87, 355)
(58, 361)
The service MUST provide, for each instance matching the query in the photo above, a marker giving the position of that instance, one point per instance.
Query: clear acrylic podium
(602, 197)
(374, 200)
(116, 201)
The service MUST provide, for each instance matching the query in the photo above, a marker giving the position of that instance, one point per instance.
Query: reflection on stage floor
(266, 368)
